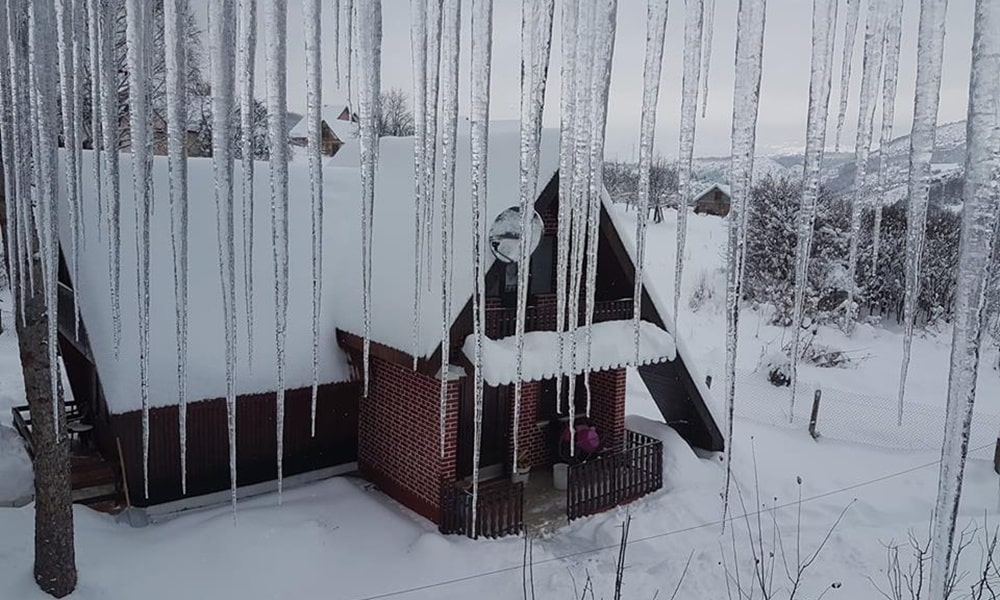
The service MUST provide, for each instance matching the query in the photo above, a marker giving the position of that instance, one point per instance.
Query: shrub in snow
(703, 292)
(779, 369)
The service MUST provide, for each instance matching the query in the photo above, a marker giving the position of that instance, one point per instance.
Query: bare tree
(395, 118)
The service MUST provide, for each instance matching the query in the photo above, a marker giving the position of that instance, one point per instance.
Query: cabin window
(547, 399)
(543, 266)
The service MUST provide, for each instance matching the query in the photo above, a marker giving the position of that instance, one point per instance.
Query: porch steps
(94, 482)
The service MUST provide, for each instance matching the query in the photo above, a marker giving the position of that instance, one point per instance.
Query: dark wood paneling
(256, 441)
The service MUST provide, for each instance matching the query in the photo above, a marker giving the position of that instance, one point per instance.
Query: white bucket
(560, 474)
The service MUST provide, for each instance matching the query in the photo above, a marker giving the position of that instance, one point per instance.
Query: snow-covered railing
(499, 509)
(615, 477)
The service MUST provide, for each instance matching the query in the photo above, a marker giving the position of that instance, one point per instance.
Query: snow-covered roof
(392, 269)
(329, 114)
(707, 189)
(613, 346)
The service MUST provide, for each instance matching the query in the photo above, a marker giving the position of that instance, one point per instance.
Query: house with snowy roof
(337, 125)
(392, 436)
(713, 199)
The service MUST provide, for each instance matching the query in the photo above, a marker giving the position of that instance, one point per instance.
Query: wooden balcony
(501, 321)
(616, 477)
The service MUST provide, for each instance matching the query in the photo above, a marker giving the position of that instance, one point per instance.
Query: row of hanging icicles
(80, 36)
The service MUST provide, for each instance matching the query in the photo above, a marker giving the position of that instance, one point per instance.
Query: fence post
(815, 414)
(708, 381)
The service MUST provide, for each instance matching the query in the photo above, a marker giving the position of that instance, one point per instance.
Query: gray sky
(784, 84)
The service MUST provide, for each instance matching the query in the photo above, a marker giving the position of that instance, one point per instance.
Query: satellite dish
(505, 234)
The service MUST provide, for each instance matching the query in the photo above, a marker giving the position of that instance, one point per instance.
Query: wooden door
(495, 430)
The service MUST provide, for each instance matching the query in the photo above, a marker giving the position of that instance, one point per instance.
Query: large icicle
(15, 34)
(567, 141)
(110, 120)
(870, 70)
(850, 33)
(746, 96)
(370, 65)
(430, 141)
(689, 116)
(138, 22)
(536, 40)
(890, 73)
(174, 34)
(981, 197)
(96, 99)
(930, 51)
(604, 42)
(222, 40)
(311, 16)
(246, 31)
(46, 119)
(418, 45)
(824, 26)
(335, 42)
(656, 25)
(481, 42)
(346, 51)
(275, 54)
(11, 171)
(66, 12)
(706, 60)
(450, 43)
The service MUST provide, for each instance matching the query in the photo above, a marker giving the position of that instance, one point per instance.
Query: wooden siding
(335, 443)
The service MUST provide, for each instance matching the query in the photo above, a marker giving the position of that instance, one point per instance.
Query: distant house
(337, 124)
(198, 115)
(712, 200)
(392, 435)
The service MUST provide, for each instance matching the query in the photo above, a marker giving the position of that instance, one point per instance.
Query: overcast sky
(784, 84)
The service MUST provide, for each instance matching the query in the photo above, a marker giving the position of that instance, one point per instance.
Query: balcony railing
(616, 477)
(499, 512)
(502, 321)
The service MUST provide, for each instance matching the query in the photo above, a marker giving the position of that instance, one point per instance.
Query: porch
(613, 477)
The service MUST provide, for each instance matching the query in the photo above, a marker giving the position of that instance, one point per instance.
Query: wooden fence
(616, 477)
(499, 512)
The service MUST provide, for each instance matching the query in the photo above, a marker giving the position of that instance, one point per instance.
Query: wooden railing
(499, 511)
(22, 422)
(615, 477)
(502, 321)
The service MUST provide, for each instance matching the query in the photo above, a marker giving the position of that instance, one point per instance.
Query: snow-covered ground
(341, 539)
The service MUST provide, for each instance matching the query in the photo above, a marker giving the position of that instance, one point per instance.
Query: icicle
(656, 24)
(930, 50)
(11, 172)
(870, 70)
(275, 54)
(981, 199)
(746, 95)
(346, 22)
(311, 15)
(601, 79)
(246, 30)
(46, 118)
(96, 100)
(418, 43)
(110, 119)
(850, 33)
(65, 21)
(689, 116)
(430, 141)
(370, 67)
(706, 47)
(481, 41)
(174, 36)
(820, 83)
(450, 43)
(570, 17)
(536, 39)
(79, 33)
(890, 73)
(137, 47)
(335, 14)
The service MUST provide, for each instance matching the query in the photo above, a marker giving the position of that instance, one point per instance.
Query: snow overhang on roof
(612, 347)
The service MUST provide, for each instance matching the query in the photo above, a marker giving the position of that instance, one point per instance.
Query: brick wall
(607, 408)
(399, 436)
(534, 444)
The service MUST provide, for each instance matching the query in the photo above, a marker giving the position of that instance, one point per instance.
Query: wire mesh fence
(860, 418)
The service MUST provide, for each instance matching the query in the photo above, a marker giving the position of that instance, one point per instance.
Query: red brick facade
(607, 407)
(399, 436)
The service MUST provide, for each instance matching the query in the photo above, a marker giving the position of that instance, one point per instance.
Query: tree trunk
(55, 561)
